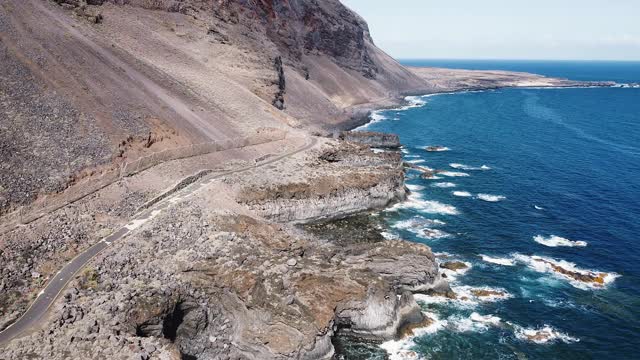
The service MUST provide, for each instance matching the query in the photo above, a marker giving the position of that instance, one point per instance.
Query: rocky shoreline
(224, 274)
(444, 80)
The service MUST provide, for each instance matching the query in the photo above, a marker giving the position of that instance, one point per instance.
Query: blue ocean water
(561, 166)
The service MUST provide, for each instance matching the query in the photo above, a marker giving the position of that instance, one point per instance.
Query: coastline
(463, 81)
(583, 278)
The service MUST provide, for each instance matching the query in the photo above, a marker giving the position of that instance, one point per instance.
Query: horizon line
(514, 59)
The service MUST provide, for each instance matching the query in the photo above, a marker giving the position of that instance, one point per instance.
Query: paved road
(35, 314)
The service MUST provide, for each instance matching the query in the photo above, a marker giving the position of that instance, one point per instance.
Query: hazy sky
(509, 29)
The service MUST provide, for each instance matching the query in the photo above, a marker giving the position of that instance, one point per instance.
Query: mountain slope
(95, 85)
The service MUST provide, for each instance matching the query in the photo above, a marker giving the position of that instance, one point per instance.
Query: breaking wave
(498, 261)
(415, 201)
(417, 222)
(412, 102)
(375, 117)
(432, 234)
(466, 297)
(555, 241)
(467, 167)
(579, 278)
(416, 161)
(402, 349)
(474, 323)
(423, 228)
(543, 335)
(389, 235)
(436, 148)
(461, 194)
(453, 173)
(491, 198)
(444, 185)
(414, 187)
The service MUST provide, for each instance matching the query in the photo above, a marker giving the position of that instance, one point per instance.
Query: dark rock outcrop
(278, 100)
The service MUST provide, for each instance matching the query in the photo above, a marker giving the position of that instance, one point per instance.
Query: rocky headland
(449, 80)
(221, 275)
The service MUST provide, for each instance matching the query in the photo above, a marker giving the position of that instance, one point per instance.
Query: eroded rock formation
(211, 279)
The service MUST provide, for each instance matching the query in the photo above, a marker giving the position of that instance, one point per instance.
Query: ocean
(539, 190)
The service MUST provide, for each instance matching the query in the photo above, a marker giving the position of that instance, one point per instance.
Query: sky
(504, 29)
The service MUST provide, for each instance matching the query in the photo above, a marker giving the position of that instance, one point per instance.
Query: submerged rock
(487, 293)
(454, 265)
(436, 148)
(594, 278)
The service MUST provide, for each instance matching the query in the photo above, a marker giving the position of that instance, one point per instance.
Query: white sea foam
(459, 323)
(389, 235)
(490, 198)
(551, 266)
(452, 275)
(412, 102)
(466, 296)
(543, 335)
(422, 227)
(416, 161)
(555, 241)
(417, 222)
(415, 201)
(474, 323)
(453, 173)
(414, 187)
(442, 254)
(467, 167)
(461, 193)
(401, 349)
(560, 303)
(410, 155)
(498, 261)
(374, 117)
(486, 319)
(538, 207)
(476, 293)
(432, 234)
(432, 148)
(444, 185)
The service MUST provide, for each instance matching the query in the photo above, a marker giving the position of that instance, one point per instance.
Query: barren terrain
(213, 263)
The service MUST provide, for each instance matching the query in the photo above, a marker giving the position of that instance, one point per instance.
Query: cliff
(343, 180)
(88, 85)
(206, 276)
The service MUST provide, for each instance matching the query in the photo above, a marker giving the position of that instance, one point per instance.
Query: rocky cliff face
(345, 179)
(303, 27)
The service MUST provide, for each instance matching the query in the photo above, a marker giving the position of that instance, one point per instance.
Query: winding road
(38, 309)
